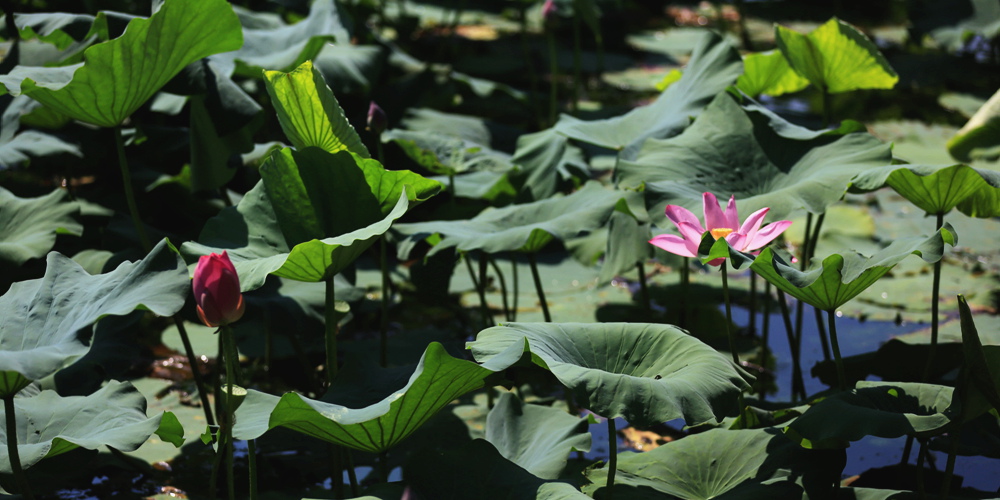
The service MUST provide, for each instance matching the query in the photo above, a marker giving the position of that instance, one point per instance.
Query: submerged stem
(129, 195)
(538, 287)
(841, 376)
(12, 453)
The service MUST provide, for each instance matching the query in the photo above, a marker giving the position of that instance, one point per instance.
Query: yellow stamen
(720, 232)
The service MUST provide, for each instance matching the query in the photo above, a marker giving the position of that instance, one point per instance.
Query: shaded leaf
(545, 158)
(646, 373)
(446, 154)
(29, 226)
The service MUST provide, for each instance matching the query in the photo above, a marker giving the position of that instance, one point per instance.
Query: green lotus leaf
(29, 226)
(980, 384)
(61, 29)
(537, 438)
(720, 463)
(646, 373)
(755, 155)
(119, 75)
(49, 425)
(18, 148)
(714, 65)
(371, 413)
(39, 332)
(524, 228)
(936, 189)
(446, 154)
(982, 132)
(309, 112)
(477, 470)
(768, 73)
(836, 57)
(883, 409)
(310, 216)
(545, 158)
(842, 277)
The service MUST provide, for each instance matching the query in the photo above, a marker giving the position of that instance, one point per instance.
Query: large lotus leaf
(538, 438)
(437, 379)
(937, 189)
(768, 73)
(836, 57)
(646, 373)
(755, 155)
(477, 470)
(119, 75)
(309, 112)
(48, 424)
(842, 277)
(447, 154)
(982, 132)
(41, 317)
(720, 463)
(526, 228)
(270, 43)
(544, 159)
(883, 409)
(29, 226)
(714, 66)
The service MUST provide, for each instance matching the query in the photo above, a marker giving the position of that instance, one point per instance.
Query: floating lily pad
(646, 373)
(537, 438)
(937, 189)
(379, 425)
(753, 154)
(29, 226)
(119, 75)
(525, 228)
(720, 463)
(42, 317)
(49, 425)
(768, 73)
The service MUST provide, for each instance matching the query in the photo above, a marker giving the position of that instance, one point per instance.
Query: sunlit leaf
(980, 135)
(768, 73)
(939, 188)
(118, 76)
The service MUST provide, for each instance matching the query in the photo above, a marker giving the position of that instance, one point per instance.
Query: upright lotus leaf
(523, 228)
(646, 373)
(477, 470)
(538, 438)
(29, 226)
(42, 317)
(714, 66)
(627, 243)
(446, 154)
(119, 75)
(836, 57)
(842, 277)
(544, 159)
(49, 425)
(883, 409)
(755, 155)
(311, 215)
(982, 132)
(936, 189)
(721, 463)
(980, 384)
(768, 73)
(309, 112)
(437, 380)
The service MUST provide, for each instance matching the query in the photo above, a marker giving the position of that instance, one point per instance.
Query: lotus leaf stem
(331, 331)
(841, 376)
(503, 289)
(252, 467)
(384, 321)
(483, 266)
(538, 287)
(824, 342)
(612, 456)
(731, 334)
(484, 308)
(12, 453)
(765, 334)
(644, 290)
(798, 386)
(935, 304)
(129, 195)
(921, 455)
(383, 465)
(685, 289)
(753, 303)
(513, 269)
(352, 476)
(949, 469)
(231, 359)
(336, 472)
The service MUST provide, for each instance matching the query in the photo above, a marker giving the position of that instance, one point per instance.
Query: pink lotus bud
(548, 10)
(377, 121)
(217, 290)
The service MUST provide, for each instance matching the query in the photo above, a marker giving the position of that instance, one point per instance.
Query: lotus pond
(500, 249)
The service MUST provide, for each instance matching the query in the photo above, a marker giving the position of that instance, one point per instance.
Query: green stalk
(936, 294)
(824, 342)
(685, 287)
(731, 334)
(553, 77)
(483, 266)
(336, 474)
(612, 456)
(352, 476)
(753, 303)
(231, 358)
(12, 453)
(798, 386)
(921, 455)
(384, 321)
(331, 332)
(252, 466)
(513, 268)
(538, 287)
(193, 362)
(841, 376)
(483, 306)
(765, 333)
(644, 290)
(129, 195)
(383, 465)
(503, 289)
(949, 469)
(811, 249)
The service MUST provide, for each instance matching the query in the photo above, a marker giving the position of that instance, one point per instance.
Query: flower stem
(538, 287)
(384, 322)
(841, 376)
(12, 452)
(644, 290)
(612, 456)
(935, 301)
(503, 289)
(331, 332)
(129, 195)
(195, 371)
(685, 288)
(231, 359)
(731, 334)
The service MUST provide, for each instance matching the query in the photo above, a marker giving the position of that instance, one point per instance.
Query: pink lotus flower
(721, 224)
(217, 290)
